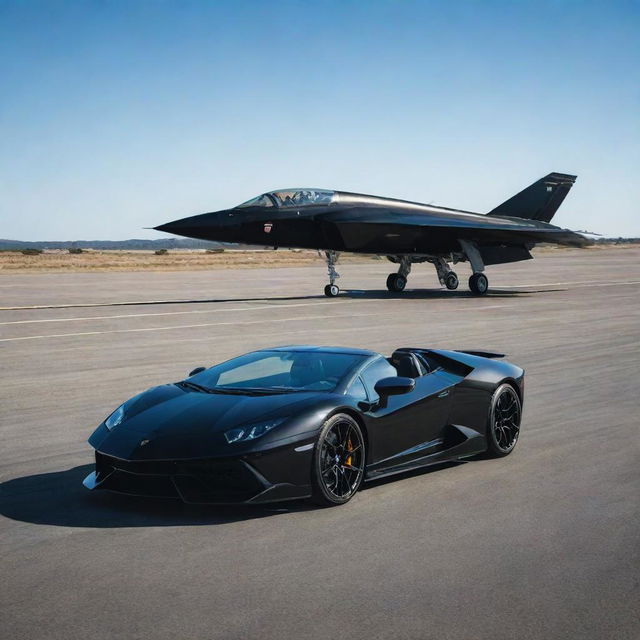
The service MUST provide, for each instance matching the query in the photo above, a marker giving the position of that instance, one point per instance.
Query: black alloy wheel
(338, 461)
(505, 414)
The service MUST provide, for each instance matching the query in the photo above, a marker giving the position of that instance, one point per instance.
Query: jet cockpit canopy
(291, 198)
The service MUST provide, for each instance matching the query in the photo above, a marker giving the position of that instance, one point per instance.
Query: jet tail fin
(539, 201)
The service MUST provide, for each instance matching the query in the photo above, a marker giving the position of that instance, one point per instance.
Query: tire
(331, 290)
(503, 424)
(479, 284)
(451, 281)
(338, 461)
(396, 282)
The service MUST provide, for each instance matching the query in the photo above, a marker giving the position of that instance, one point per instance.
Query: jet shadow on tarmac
(355, 294)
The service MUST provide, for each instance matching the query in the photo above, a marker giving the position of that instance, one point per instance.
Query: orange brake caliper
(349, 448)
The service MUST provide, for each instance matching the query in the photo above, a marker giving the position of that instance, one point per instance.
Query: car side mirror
(196, 370)
(394, 386)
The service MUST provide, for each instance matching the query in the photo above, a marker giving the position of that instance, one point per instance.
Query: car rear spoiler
(482, 354)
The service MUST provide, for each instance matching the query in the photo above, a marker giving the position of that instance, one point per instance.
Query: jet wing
(363, 228)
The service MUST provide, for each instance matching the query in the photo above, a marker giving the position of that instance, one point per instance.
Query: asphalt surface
(541, 544)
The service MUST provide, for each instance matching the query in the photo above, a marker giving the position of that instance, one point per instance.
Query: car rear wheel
(505, 413)
(338, 461)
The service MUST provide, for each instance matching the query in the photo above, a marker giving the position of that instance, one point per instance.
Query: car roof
(319, 349)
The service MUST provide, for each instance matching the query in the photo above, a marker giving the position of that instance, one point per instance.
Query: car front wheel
(338, 461)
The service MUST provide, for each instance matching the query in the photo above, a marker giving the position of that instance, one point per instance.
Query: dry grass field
(12, 262)
(191, 260)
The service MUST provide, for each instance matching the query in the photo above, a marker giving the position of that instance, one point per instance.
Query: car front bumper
(276, 475)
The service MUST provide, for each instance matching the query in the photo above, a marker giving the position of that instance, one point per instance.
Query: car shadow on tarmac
(58, 498)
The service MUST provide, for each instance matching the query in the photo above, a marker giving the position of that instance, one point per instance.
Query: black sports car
(305, 421)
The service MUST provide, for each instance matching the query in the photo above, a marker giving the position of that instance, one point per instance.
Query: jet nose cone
(206, 226)
(168, 227)
(184, 224)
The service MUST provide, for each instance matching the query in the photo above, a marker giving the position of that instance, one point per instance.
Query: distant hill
(134, 244)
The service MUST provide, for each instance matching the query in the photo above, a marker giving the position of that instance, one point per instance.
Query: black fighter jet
(406, 232)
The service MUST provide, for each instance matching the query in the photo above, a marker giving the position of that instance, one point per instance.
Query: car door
(409, 426)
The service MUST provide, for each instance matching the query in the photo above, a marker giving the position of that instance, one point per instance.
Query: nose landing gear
(451, 281)
(446, 275)
(332, 289)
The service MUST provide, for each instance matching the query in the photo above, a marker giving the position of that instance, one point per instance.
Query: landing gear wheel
(331, 290)
(396, 282)
(338, 461)
(503, 429)
(451, 280)
(478, 284)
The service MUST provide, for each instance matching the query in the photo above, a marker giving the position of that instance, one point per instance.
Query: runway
(542, 544)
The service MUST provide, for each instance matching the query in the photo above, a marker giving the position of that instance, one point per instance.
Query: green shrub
(161, 252)
(31, 252)
(75, 250)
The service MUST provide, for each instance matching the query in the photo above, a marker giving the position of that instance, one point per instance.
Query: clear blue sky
(118, 115)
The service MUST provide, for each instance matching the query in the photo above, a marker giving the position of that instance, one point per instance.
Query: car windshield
(291, 198)
(279, 371)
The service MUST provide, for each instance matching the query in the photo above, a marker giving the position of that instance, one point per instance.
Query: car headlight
(251, 431)
(115, 418)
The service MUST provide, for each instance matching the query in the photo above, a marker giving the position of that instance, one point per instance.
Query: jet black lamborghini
(307, 422)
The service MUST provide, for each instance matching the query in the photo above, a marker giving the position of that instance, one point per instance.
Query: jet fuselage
(406, 232)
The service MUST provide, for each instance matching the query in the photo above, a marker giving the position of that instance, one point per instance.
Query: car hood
(173, 422)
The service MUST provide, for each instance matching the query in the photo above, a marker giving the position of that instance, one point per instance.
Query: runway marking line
(218, 324)
(176, 313)
(121, 303)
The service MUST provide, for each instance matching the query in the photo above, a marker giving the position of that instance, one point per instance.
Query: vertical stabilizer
(539, 201)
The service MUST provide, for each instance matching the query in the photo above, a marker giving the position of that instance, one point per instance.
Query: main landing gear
(332, 289)
(478, 282)
(398, 281)
(446, 275)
